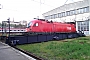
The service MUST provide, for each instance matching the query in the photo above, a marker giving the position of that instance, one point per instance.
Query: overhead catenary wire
(42, 3)
(65, 2)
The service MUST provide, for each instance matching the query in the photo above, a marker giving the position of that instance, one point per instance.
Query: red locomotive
(41, 25)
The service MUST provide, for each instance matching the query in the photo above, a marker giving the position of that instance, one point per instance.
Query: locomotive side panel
(73, 28)
(57, 28)
(47, 27)
(60, 28)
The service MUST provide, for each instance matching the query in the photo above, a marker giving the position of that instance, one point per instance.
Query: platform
(9, 53)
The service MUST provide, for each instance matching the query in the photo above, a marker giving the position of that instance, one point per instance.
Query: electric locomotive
(41, 25)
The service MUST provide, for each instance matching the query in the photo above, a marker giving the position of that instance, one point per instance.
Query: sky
(19, 10)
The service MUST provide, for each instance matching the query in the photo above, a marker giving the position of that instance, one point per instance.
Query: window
(59, 15)
(86, 9)
(29, 24)
(72, 12)
(46, 17)
(68, 13)
(14, 30)
(87, 25)
(80, 10)
(55, 16)
(21, 30)
(83, 10)
(36, 24)
(79, 24)
(79, 28)
(63, 14)
(51, 16)
(83, 26)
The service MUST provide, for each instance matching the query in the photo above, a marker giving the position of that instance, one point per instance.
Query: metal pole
(2, 21)
(9, 28)
(2, 28)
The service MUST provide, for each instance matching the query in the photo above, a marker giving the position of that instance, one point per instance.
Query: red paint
(44, 26)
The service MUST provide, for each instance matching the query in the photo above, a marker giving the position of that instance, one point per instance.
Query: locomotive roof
(46, 21)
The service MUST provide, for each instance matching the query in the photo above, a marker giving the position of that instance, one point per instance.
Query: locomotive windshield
(29, 24)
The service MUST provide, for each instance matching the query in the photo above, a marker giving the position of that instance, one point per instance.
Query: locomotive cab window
(36, 24)
(29, 24)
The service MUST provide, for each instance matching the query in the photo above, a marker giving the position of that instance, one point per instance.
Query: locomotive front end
(29, 27)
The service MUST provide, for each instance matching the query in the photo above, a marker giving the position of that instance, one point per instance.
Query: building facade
(78, 12)
(70, 12)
